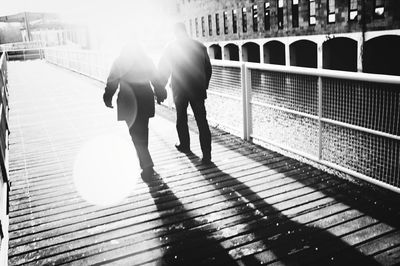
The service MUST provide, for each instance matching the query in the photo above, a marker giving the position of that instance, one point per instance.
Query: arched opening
(215, 51)
(340, 54)
(303, 53)
(231, 52)
(274, 53)
(251, 52)
(382, 55)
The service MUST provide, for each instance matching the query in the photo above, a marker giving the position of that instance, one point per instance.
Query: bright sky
(114, 20)
(76, 6)
(131, 12)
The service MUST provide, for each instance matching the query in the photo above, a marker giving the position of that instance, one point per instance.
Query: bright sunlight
(112, 23)
(106, 170)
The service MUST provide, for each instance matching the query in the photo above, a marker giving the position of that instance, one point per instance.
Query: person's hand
(107, 101)
(160, 93)
(159, 100)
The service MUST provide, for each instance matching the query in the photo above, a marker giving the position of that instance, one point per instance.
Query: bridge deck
(253, 206)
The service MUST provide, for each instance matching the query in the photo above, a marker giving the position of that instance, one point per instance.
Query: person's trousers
(139, 132)
(200, 115)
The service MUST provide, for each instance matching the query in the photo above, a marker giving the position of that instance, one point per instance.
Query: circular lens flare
(106, 170)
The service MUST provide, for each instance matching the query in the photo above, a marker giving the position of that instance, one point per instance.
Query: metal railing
(345, 120)
(21, 45)
(94, 64)
(23, 50)
(4, 184)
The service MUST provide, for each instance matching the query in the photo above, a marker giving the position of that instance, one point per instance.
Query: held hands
(160, 93)
(109, 105)
(159, 100)
(107, 101)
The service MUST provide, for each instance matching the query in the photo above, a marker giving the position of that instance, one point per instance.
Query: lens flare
(106, 170)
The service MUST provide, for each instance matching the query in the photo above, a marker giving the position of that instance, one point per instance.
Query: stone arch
(231, 52)
(274, 53)
(251, 52)
(340, 54)
(215, 51)
(382, 55)
(303, 53)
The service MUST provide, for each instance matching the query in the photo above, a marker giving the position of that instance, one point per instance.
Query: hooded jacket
(132, 72)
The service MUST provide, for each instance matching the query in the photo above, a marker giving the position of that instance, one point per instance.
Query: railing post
(244, 107)
(248, 104)
(319, 118)
(246, 99)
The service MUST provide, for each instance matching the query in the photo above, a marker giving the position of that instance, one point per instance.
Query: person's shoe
(206, 159)
(182, 148)
(147, 173)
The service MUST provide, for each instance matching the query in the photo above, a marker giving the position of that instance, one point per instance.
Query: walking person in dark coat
(187, 63)
(132, 72)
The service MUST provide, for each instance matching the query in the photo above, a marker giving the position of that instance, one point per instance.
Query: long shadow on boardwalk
(358, 216)
(276, 237)
(188, 245)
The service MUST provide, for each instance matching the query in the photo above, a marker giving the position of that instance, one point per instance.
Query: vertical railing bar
(249, 92)
(319, 117)
(244, 100)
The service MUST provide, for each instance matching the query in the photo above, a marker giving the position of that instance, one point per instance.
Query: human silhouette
(134, 73)
(187, 63)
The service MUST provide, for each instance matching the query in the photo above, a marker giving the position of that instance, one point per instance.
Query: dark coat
(132, 73)
(188, 64)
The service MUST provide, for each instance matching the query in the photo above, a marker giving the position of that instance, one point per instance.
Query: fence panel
(348, 121)
(370, 147)
(224, 104)
(94, 64)
(284, 110)
(22, 50)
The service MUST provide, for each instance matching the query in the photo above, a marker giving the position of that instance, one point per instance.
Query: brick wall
(191, 9)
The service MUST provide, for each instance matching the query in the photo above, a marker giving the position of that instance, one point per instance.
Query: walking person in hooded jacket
(134, 73)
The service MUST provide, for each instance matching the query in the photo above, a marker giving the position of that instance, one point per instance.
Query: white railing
(16, 46)
(4, 184)
(347, 121)
(94, 64)
(22, 50)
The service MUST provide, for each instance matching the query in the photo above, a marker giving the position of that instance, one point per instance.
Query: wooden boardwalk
(251, 207)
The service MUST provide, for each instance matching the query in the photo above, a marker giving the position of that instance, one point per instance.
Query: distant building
(351, 35)
(10, 33)
(48, 28)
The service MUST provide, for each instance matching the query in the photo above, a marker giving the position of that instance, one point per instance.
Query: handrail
(4, 183)
(21, 46)
(23, 50)
(326, 73)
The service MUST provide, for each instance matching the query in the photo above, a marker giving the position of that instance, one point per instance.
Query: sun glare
(106, 170)
(111, 23)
